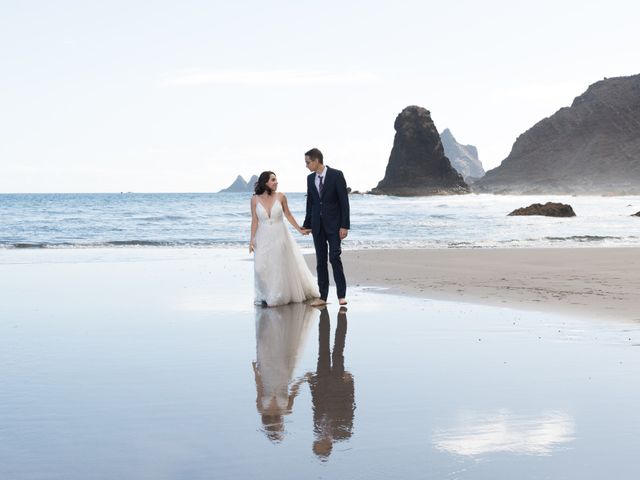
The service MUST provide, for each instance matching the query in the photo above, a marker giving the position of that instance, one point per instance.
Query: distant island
(591, 147)
(240, 185)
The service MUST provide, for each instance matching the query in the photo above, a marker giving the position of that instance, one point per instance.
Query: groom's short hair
(314, 154)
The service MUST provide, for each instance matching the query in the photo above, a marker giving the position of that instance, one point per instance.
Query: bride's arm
(287, 213)
(254, 224)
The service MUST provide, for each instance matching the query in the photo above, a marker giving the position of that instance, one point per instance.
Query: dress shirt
(317, 179)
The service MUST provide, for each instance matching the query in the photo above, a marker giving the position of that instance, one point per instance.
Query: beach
(169, 167)
(147, 363)
(595, 282)
(130, 346)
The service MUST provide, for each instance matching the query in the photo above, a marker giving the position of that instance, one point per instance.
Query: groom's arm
(343, 200)
(307, 217)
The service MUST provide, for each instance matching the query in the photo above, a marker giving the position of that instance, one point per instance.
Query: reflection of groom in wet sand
(328, 218)
(332, 388)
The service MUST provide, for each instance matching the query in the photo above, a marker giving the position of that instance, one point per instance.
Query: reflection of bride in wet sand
(281, 334)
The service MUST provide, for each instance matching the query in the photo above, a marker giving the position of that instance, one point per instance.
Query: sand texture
(602, 282)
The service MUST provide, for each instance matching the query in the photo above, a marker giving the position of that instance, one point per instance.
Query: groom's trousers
(321, 241)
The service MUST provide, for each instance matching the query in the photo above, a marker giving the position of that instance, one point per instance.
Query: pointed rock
(417, 164)
(239, 185)
(251, 184)
(464, 158)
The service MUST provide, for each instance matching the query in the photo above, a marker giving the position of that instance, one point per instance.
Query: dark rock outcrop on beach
(417, 165)
(636, 214)
(240, 185)
(464, 158)
(591, 147)
(549, 209)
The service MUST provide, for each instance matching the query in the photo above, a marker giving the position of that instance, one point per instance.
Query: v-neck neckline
(268, 212)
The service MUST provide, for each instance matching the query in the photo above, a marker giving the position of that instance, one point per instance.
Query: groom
(328, 218)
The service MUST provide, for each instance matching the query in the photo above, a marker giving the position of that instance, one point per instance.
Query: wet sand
(148, 364)
(600, 282)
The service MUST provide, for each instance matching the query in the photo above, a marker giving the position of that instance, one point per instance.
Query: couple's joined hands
(343, 232)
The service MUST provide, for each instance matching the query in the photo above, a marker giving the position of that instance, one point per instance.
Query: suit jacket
(331, 210)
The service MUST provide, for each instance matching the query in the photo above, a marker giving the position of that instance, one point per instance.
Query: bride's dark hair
(261, 185)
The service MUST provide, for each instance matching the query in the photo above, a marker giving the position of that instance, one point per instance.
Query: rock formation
(252, 183)
(417, 164)
(464, 158)
(636, 214)
(549, 209)
(240, 185)
(592, 147)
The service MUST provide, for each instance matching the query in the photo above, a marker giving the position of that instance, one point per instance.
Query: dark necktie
(320, 186)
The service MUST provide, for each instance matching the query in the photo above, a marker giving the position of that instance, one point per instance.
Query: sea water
(222, 220)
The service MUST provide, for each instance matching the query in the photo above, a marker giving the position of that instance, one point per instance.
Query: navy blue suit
(326, 215)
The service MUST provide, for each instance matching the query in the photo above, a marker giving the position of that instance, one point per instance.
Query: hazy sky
(181, 96)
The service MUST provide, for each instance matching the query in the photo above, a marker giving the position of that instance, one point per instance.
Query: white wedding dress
(281, 335)
(280, 273)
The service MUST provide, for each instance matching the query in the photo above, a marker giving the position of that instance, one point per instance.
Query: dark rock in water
(592, 147)
(417, 165)
(549, 209)
(464, 158)
(240, 185)
(636, 214)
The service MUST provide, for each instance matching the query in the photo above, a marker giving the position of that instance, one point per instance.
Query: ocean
(222, 220)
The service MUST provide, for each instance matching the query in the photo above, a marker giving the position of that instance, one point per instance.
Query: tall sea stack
(417, 164)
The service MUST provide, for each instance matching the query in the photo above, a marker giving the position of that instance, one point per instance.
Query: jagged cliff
(591, 147)
(464, 158)
(417, 164)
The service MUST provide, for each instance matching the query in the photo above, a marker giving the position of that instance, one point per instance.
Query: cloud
(502, 431)
(269, 78)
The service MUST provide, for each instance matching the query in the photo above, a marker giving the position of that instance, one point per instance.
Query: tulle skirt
(281, 275)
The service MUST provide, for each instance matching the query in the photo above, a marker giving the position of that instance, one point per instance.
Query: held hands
(251, 247)
(343, 232)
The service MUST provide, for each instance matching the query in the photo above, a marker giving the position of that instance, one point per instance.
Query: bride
(280, 273)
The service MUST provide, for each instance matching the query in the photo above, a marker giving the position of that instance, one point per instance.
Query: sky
(183, 96)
